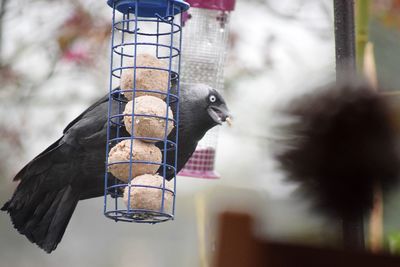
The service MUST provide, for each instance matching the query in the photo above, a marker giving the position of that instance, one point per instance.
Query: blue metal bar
(119, 106)
(177, 27)
(140, 67)
(143, 186)
(177, 112)
(166, 128)
(140, 138)
(145, 44)
(109, 112)
(133, 108)
(158, 38)
(175, 97)
(140, 162)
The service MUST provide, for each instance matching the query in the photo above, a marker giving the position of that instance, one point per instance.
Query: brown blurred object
(376, 217)
(376, 221)
(238, 247)
(369, 68)
(393, 99)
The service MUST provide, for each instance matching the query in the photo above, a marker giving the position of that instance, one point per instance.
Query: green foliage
(394, 243)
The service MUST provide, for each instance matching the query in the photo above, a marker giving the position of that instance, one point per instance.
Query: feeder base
(139, 216)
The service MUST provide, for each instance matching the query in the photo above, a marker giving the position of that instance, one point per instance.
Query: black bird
(72, 168)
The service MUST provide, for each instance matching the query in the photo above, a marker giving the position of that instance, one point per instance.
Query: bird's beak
(219, 113)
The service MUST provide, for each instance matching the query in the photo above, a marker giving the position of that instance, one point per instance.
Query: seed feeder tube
(204, 51)
(144, 73)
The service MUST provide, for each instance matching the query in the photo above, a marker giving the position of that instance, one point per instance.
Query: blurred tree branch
(41, 47)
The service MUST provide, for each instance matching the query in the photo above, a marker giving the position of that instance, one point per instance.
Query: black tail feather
(33, 224)
(60, 218)
(45, 219)
(5, 206)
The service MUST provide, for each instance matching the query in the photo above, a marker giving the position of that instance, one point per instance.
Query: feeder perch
(204, 51)
(144, 70)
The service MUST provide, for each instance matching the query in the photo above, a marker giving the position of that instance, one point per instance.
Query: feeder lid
(149, 8)
(223, 5)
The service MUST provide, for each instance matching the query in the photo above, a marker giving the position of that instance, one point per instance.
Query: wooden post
(238, 246)
(201, 228)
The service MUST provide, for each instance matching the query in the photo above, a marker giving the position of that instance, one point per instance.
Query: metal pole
(344, 38)
(353, 225)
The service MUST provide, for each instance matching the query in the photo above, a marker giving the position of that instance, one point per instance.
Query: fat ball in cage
(204, 52)
(144, 82)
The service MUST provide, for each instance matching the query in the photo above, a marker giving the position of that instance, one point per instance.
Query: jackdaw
(73, 167)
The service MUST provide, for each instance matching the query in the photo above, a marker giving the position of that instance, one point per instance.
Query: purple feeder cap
(222, 5)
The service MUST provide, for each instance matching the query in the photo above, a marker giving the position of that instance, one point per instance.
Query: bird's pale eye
(213, 98)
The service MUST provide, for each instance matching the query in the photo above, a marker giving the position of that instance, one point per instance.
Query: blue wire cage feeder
(145, 47)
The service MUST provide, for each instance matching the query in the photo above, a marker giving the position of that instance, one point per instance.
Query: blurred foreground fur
(342, 143)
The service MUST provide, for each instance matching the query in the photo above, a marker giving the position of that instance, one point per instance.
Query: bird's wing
(40, 162)
(37, 160)
(100, 101)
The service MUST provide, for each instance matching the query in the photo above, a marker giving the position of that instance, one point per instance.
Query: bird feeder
(144, 84)
(204, 52)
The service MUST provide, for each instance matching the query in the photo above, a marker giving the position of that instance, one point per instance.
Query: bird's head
(205, 104)
(216, 107)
